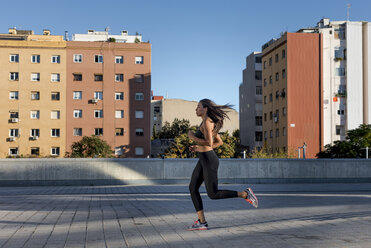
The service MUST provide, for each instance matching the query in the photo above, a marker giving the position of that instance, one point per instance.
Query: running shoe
(198, 226)
(251, 198)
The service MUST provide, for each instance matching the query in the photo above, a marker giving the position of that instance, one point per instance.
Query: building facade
(250, 101)
(58, 91)
(32, 96)
(292, 93)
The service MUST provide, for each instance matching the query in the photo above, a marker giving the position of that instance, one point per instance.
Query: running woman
(206, 170)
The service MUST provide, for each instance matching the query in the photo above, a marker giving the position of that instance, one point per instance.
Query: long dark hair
(217, 113)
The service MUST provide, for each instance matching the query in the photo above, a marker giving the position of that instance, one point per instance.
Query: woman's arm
(217, 141)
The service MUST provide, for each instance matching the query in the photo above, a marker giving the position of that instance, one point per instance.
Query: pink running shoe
(251, 198)
(198, 226)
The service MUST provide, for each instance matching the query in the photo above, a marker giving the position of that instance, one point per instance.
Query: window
(13, 132)
(265, 99)
(265, 64)
(119, 77)
(139, 96)
(270, 97)
(139, 114)
(13, 76)
(35, 133)
(284, 131)
(77, 131)
(270, 79)
(119, 131)
(77, 113)
(258, 91)
(340, 130)
(277, 94)
(139, 60)
(339, 33)
(277, 132)
(265, 82)
(119, 96)
(276, 58)
(270, 61)
(283, 111)
(35, 59)
(277, 76)
(98, 95)
(258, 60)
(271, 133)
(77, 58)
(341, 111)
(139, 132)
(340, 71)
(55, 132)
(98, 113)
(54, 151)
(13, 114)
(98, 77)
(258, 136)
(258, 120)
(13, 95)
(283, 93)
(55, 77)
(119, 114)
(13, 151)
(283, 73)
(270, 115)
(339, 53)
(77, 95)
(98, 131)
(55, 114)
(265, 116)
(35, 76)
(265, 135)
(98, 58)
(139, 78)
(35, 114)
(157, 109)
(139, 151)
(56, 59)
(119, 59)
(35, 151)
(14, 58)
(35, 95)
(283, 53)
(258, 75)
(77, 77)
(55, 96)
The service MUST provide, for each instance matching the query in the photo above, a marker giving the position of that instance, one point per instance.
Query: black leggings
(207, 170)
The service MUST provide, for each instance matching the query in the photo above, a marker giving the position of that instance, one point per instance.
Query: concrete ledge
(23, 172)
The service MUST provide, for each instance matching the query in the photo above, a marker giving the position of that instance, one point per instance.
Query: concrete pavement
(292, 215)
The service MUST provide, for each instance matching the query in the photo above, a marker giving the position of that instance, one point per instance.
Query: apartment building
(108, 91)
(56, 91)
(346, 81)
(32, 96)
(292, 93)
(251, 108)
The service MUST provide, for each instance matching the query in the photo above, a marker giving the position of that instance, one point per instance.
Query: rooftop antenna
(348, 7)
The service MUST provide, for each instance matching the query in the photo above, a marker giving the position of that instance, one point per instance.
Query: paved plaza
(290, 215)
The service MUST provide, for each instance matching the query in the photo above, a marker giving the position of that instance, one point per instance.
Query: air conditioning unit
(11, 138)
(34, 137)
(94, 100)
(14, 120)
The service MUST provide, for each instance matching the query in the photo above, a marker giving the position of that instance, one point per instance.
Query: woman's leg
(210, 164)
(194, 185)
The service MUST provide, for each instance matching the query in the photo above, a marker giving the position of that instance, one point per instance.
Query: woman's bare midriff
(204, 148)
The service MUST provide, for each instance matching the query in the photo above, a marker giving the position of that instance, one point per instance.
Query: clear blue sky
(198, 47)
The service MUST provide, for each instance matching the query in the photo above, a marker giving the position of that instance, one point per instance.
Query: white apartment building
(346, 67)
(250, 101)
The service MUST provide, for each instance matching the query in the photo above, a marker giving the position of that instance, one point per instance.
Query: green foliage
(90, 147)
(180, 148)
(264, 153)
(351, 147)
(177, 128)
(137, 40)
(111, 39)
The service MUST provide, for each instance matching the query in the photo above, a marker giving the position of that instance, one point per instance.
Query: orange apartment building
(56, 91)
(108, 92)
(292, 88)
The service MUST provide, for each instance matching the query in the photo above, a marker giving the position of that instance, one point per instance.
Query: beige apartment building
(32, 96)
(166, 110)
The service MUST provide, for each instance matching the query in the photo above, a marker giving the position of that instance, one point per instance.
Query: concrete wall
(172, 171)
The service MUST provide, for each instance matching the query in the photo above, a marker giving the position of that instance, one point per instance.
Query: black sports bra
(199, 134)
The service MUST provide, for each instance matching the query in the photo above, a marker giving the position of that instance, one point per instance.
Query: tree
(90, 147)
(177, 128)
(351, 147)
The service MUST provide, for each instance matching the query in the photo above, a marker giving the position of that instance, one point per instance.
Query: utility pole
(348, 8)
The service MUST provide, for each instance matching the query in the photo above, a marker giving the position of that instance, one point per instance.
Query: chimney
(66, 35)
(46, 32)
